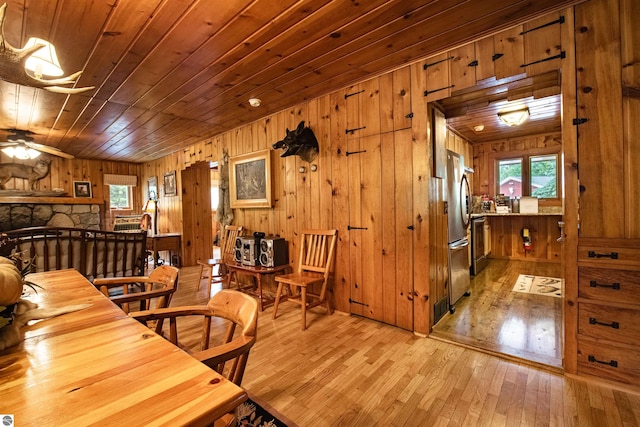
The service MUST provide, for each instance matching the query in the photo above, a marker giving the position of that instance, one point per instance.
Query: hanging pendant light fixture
(43, 61)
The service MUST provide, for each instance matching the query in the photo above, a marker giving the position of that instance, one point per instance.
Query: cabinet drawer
(609, 285)
(609, 323)
(612, 363)
(610, 252)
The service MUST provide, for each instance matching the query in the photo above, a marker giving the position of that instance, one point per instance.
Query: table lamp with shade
(151, 207)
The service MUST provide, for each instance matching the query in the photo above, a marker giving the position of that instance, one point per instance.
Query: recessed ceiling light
(478, 128)
(255, 102)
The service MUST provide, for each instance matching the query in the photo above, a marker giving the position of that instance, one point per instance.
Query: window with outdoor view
(510, 177)
(535, 176)
(120, 197)
(544, 176)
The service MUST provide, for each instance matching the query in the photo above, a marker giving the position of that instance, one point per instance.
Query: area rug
(539, 285)
(253, 414)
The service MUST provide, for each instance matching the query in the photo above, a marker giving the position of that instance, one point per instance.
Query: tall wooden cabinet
(603, 310)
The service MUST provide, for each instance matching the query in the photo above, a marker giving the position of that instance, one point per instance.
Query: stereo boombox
(265, 251)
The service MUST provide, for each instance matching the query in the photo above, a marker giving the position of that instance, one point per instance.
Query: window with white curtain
(120, 190)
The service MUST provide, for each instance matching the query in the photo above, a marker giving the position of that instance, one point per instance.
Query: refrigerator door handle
(465, 194)
(459, 245)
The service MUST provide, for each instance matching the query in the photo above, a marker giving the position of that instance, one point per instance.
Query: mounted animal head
(299, 142)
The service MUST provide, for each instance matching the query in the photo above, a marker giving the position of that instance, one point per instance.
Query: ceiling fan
(21, 145)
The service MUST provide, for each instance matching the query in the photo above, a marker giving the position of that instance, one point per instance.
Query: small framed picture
(81, 189)
(152, 185)
(170, 184)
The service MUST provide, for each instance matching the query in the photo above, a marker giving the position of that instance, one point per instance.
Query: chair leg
(303, 290)
(210, 281)
(277, 301)
(200, 279)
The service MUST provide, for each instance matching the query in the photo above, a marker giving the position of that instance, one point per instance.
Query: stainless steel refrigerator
(458, 200)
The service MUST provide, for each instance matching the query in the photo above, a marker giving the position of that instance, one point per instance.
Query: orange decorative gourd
(10, 282)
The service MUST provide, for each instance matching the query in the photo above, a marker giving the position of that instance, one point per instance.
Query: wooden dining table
(98, 366)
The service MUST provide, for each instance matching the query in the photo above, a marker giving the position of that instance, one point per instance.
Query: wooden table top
(98, 366)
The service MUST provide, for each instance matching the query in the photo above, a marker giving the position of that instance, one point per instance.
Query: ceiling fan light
(43, 61)
(21, 152)
(514, 117)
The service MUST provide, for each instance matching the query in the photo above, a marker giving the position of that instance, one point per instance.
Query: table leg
(258, 276)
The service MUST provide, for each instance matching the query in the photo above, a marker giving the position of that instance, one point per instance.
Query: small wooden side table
(165, 242)
(256, 272)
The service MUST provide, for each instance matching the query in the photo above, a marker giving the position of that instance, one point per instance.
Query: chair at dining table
(233, 314)
(317, 249)
(227, 248)
(158, 287)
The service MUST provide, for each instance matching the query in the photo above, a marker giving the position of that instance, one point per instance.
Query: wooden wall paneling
(542, 41)
(484, 55)
(569, 246)
(438, 264)
(265, 216)
(369, 107)
(600, 101)
(371, 219)
(422, 160)
(462, 71)
(323, 161)
(302, 198)
(439, 142)
(387, 100)
(312, 178)
(631, 109)
(402, 98)
(291, 226)
(352, 106)
(278, 178)
(437, 71)
(340, 201)
(403, 204)
(510, 45)
(355, 235)
(388, 225)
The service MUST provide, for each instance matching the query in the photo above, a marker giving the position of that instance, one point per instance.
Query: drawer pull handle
(613, 363)
(595, 284)
(594, 321)
(612, 255)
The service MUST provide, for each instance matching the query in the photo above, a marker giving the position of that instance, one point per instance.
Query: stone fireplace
(56, 212)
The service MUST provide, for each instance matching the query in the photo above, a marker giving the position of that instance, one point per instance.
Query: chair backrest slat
(231, 232)
(316, 250)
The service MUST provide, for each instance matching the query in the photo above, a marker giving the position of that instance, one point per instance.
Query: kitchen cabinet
(506, 236)
(609, 309)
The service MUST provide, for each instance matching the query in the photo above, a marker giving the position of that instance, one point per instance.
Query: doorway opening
(494, 317)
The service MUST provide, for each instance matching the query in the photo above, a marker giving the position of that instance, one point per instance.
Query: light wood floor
(350, 371)
(495, 318)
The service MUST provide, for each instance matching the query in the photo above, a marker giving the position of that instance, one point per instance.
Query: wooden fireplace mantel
(51, 200)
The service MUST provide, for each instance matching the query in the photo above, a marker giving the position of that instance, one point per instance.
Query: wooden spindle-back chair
(227, 247)
(317, 250)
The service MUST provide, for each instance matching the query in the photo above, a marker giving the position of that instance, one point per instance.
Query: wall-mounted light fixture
(43, 61)
(514, 117)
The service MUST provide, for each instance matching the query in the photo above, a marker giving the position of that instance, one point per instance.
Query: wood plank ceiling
(169, 73)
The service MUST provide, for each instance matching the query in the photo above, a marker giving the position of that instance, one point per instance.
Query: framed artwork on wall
(250, 180)
(82, 189)
(170, 184)
(152, 188)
